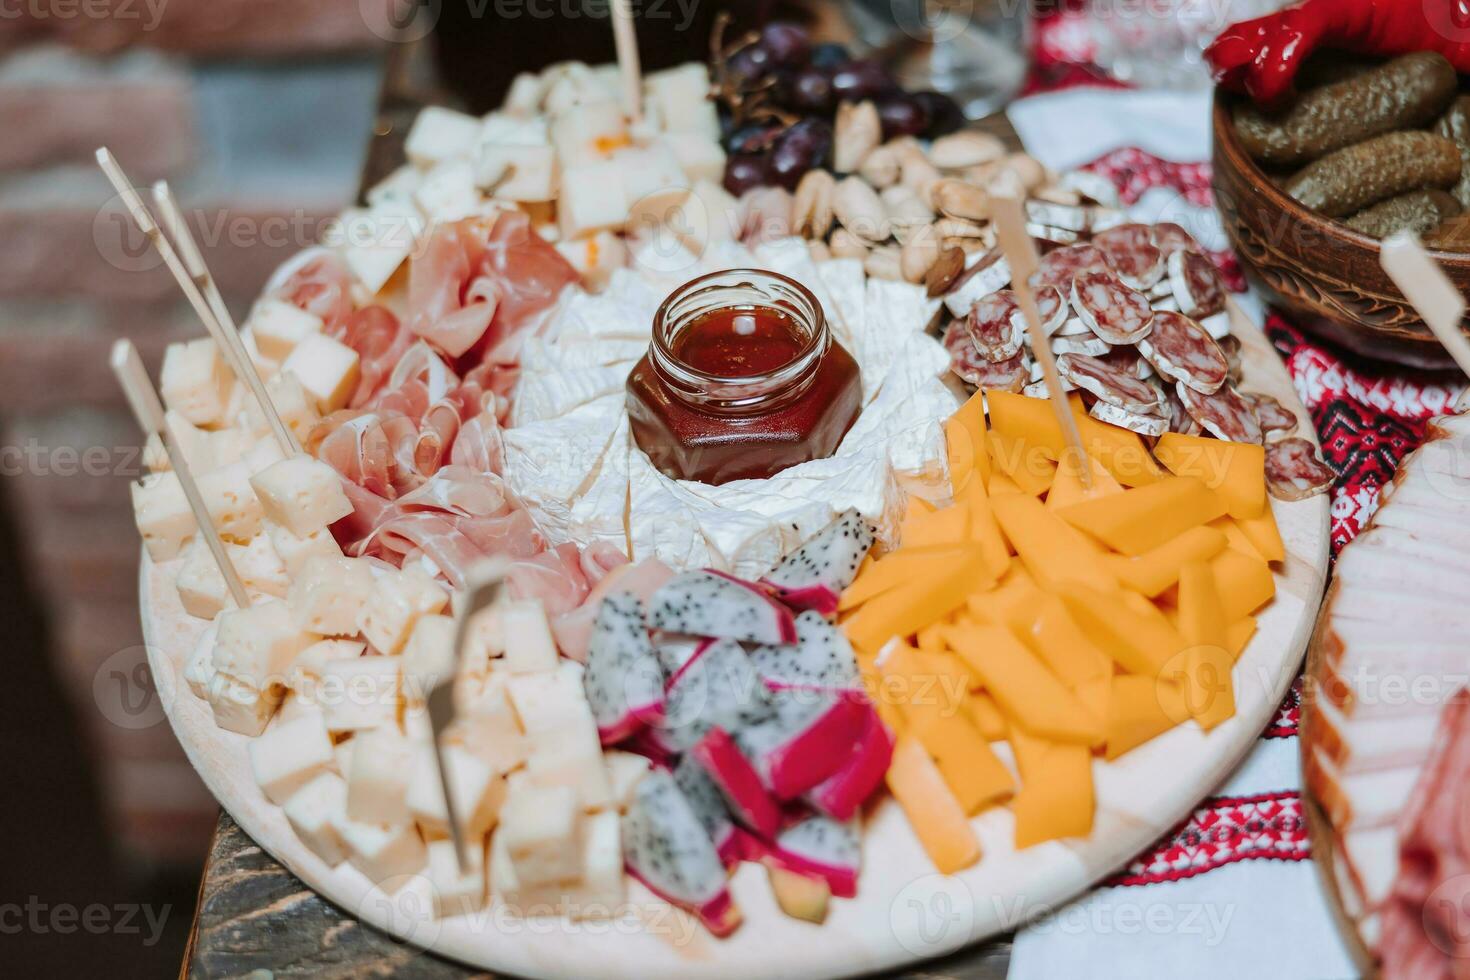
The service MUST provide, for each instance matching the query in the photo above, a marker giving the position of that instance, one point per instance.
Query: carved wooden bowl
(1321, 271)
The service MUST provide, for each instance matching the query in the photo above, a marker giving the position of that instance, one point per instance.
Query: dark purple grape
(744, 171)
(902, 115)
(861, 79)
(804, 146)
(750, 64)
(786, 43)
(829, 55)
(945, 115)
(807, 90)
(752, 138)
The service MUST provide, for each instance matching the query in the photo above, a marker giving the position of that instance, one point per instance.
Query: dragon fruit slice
(709, 805)
(719, 686)
(814, 575)
(821, 657)
(665, 847)
(821, 847)
(808, 738)
(733, 775)
(841, 794)
(675, 652)
(623, 680)
(710, 603)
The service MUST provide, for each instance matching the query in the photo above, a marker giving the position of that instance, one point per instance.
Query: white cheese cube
(649, 170)
(291, 708)
(456, 892)
(489, 728)
(549, 701)
(479, 792)
(387, 854)
(603, 887)
(239, 706)
(624, 771)
(231, 501)
(359, 694)
(260, 568)
(448, 191)
(542, 829)
(278, 326)
(395, 604)
(258, 645)
(195, 382)
(682, 96)
(301, 494)
(342, 762)
(330, 593)
(438, 134)
(593, 198)
(529, 647)
(595, 257)
(571, 88)
(305, 673)
(262, 454)
(524, 97)
(162, 513)
(201, 587)
(504, 128)
(374, 242)
(293, 403)
(700, 157)
(428, 657)
(266, 367)
(295, 551)
(572, 757)
(377, 785)
(193, 442)
(589, 132)
(199, 668)
(397, 186)
(517, 173)
(289, 755)
(314, 812)
(228, 446)
(484, 640)
(328, 369)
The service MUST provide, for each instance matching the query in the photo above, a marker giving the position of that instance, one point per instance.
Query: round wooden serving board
(904, 911)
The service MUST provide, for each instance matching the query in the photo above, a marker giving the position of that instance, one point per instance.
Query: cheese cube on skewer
(572, 757)
(385, 853)
(682, 97)
(278, 326)
(263, 453)
(162, 514)
(448, 192)
(456, 892)
(589, 132)
(479, 792)
(305, 673)
(230, 445)
(294, 404)
(301, 494)
(593, 198)
(376, 241)
(396, 603)
(488, 728)
(438, 134)
(193, 441)
(359, 694)
(231, 501)
(329, 594)
(259, 644)
(542, 828)
(261, 569)
(289, 755)
(201, 587)
(529, 647)
(428, 657)
(517, 173)
(195, 382)
(295, 550)
(315, 811)
(549, 701)
(377, 785)
(328, 369)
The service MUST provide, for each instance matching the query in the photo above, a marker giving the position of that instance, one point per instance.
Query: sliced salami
(1060, 265)
(1217, 325)
(1223, 414)
(967, 364)
(1131, 252)
(988, 273)
(1196, 284)
(995, 326)
(1129, 361)
(1047, 233)
(1115, 313)
(1073, 327)
(1053, 309)
(1109, 384)
(1230, 345)
(1070, 217)
(1294, 471)
(1088, 344)
(1274, 417)
(1145, 425)
(1181, 350)
(1170, 238)
(1180, 420)
(1094, 187)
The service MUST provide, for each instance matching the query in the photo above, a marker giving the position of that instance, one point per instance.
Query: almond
(960, 228)
(919, 254)
(883, 263)
(945, 270)
(880, 168)
(811, 208)
(846, 245)
(857, 133)
(1030, 170)
(818, 251)
(958, 199)
(860, 211)
(965, 149)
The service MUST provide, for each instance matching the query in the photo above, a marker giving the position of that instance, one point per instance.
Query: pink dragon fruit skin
(821, 657)
(820, 847)
(737, 780)
(810, 736)
(709, 804)
(623, 679)
(814, 575)
(713, 604)
(842, 794)
(666, 847)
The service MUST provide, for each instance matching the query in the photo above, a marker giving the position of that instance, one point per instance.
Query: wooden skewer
(178, 229)
(1020, 253)
(143, 400)
(625, 38)
(1428, 290)
(237, 358)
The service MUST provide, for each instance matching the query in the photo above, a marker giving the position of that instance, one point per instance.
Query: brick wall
(257, 111)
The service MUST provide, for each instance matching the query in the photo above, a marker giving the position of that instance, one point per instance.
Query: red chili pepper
(1260, 57)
